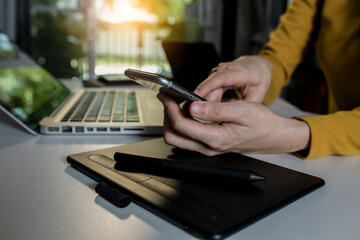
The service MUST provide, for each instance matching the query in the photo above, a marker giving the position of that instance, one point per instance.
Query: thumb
(217, 111)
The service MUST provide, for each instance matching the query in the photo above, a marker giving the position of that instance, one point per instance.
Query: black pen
(135, 163)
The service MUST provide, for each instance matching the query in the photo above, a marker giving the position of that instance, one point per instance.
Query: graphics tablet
(204, 208)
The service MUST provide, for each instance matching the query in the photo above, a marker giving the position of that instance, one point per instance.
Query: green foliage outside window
(58, 36)
(7, 49)
(58, 41)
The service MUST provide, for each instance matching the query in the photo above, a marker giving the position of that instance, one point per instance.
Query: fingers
(219, 112)
(217, 80)
(177, 140)
(209, 139)
(176, 117)
(213, 81)
(221, 67)
(215, 95)
(173, 137)
(188, 133)
(250, 74)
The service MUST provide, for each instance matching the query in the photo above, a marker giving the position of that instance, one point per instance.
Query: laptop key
(79, 115)
(72, 109)
(94, 111)
(106, 111)
(119, 108)
(132, 114)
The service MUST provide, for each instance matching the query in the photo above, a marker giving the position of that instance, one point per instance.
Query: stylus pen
(134, 163)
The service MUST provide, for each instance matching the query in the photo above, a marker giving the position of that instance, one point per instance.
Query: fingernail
(197, 108)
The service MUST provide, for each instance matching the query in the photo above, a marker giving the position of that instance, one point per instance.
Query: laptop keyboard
(103, 106)
(94, 111)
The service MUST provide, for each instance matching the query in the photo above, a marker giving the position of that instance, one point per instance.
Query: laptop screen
(27, 91)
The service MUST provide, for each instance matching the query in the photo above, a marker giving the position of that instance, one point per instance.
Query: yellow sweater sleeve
(337, 133)
(289, 43)
(334, 134)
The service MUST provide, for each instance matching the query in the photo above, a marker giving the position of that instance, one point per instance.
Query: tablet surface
(207, 209)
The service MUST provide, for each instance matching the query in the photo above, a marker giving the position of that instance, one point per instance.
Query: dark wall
(23, 38)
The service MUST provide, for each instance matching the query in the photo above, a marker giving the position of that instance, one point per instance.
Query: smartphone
(162, 84)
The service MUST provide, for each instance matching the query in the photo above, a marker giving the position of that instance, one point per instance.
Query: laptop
(41, 104)
(205, 208)
(190, 63)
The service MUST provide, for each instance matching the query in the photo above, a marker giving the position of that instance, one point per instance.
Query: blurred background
(88, 39)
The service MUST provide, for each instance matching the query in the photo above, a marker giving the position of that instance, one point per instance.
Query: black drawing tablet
(204, 208)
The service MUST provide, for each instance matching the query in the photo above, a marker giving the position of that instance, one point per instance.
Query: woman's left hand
(245, 127)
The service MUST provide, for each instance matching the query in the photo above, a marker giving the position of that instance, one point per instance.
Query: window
(87, 38)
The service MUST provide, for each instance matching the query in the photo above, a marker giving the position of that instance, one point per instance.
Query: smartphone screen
(161, 84)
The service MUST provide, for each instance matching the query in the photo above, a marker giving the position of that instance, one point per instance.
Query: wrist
(296, 135)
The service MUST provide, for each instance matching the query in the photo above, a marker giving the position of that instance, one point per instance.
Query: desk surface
(42, 197)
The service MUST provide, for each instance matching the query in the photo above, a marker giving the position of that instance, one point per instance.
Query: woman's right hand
(251, 75)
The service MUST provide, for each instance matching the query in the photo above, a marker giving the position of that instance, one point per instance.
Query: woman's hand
(246, 127)
(251, 75)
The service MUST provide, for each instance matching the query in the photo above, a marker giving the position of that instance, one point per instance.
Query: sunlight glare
(123, 12)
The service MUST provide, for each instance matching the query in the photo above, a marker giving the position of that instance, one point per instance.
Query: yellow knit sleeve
(333, 134)
(289, 43)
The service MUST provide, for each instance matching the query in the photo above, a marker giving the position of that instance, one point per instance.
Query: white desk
(43, 198)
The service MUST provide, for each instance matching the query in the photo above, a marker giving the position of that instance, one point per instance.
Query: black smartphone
(162, 84)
